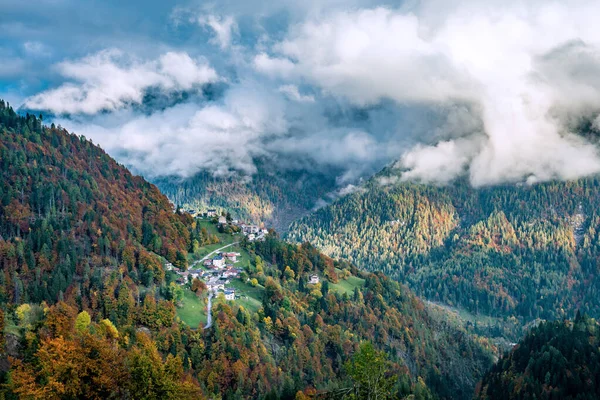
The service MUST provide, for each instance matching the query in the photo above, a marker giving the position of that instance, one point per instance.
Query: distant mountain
(556, 360)
(271, 195)
(528, 251)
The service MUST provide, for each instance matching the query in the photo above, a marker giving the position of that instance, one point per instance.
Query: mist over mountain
(488, 90)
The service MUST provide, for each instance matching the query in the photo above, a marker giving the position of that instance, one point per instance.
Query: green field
(243, 258)
(210, 227)
(193, 311)
(254, 301)
(347, 286)
(224, 239)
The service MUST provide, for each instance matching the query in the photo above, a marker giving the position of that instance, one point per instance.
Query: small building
(313, 279)
(168, 266)
(229, 294)
(231, 256)
(230, 273)
(195, 273)
(218, 261)
(251, 237)
(208, 262)
(222, 220)
(212, 212)
(215, 285)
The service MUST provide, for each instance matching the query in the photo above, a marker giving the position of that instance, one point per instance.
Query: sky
(488, 89)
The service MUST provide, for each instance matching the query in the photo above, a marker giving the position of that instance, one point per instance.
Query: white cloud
(276, 67)
(485, 89)
(223, 27)
(292, 92)
(183, 139)
(440, 163)
(514, 62)
(110, 80)
(349, 189)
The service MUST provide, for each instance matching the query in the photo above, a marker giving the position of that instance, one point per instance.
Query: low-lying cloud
(492, 90)
(525, 69)
(111, 80)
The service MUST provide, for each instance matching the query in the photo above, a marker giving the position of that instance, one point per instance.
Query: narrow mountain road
(216, 251)
(209, 311)
(213, 252)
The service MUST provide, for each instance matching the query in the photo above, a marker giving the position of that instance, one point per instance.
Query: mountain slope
(559, 360)
(527, 251)
(69, 209)
(271, 195)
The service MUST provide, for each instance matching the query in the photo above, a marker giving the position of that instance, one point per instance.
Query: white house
(222, 220)
(229, 294)
(313, 279)
(251, 237)
(211, 212)
(218, 262)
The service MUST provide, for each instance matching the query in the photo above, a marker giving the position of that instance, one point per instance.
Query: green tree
(82, 321)
(371, 373)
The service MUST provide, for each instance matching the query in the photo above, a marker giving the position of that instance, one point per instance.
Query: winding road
(215, 251)
(209, 311)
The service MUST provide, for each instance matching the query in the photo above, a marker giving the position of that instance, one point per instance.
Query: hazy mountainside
(276, 197)
(557, 360)
(87, 310)
(518, 250)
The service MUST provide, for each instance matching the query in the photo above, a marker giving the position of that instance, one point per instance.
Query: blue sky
(486, 89)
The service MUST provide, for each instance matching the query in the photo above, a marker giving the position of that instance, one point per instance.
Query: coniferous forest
(556, 360)
(523, 252)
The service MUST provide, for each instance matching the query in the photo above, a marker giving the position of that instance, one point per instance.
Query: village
(217, 270)
(221, 269)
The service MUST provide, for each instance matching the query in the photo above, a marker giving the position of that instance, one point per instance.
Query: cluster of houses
(218, 273)
(252, 232)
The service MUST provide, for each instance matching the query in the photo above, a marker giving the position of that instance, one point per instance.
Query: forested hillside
(271, 195)
(529, 251)
(381, 311)
(556, 360)
(71, 215)
(87, 310)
